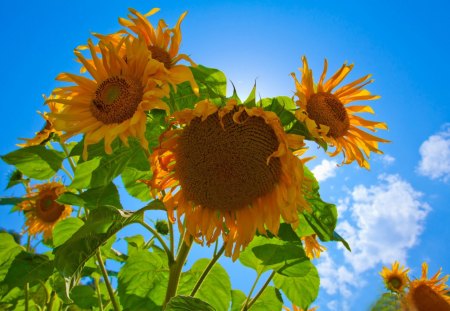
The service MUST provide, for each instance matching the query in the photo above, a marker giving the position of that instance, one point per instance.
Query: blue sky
(398, 210)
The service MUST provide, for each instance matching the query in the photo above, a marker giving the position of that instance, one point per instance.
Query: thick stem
(99, 293)
(207, 269)
(261, 290)
(161, 240)
(107, 283)
(175, 271)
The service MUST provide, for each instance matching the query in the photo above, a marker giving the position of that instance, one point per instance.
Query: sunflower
(41, 209)
(163, 43)
(230, 172)
(47, 131)
(312, 246)
(428, 293)
(114, 103)
(295, 308)
(327, 115)
(395, 279)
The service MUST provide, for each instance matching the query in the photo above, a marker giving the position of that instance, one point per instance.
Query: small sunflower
(115, 102)
(46, 132)
(230, 172)
(426, 294)
(327, 115)
(312, 246)
(395, 279)
(41, 209)
(164, 45)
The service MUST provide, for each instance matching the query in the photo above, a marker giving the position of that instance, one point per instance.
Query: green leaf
(9, 249)
(237, 300)
(11, 200)
(93, 198)
(186, 303)
(284, 107)
(387, 302)
(270, 299)
(301, 290)
(250, 101)
(263, 254)
(35, 161)
(84, 296)
(28, 268)
(135, 243)
(64, 229)
(15, 178)
(143, 281)
(210, 80)
(215, 289)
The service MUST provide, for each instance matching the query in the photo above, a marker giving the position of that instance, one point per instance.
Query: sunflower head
(312, 246)
(395, 279)
(328, 116)
(41, 209)
(164, 44)
(229, 171)
(428, 293)
(114, 103)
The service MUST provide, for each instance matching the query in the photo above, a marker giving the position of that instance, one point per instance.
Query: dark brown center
(161, 55)
(327, 109)
(395, 282)
(426, 299)
(47, 209)
(226, 168)
(116, 99)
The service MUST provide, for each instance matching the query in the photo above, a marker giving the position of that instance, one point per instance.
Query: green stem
(175, 271)
(171, 237)
(107, 283)
(160, 239)
(67, 172)
(244, 308)
(207, 269)
(66, 151)
(51, 301)
(269, 279)
(26, 289)
(99, 293)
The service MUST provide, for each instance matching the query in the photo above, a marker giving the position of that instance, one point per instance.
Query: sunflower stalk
(175, 271)
(107, 282)
(207, 269)
(99, 293)
(244, 307)
(253, 300)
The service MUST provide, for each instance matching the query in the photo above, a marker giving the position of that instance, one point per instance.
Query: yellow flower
(45, 133)
(114, 103)
(428, 294)
(41, 209)
(295, 308)
(312, 246)
(230, 172)
(395, 279)
(327, 115)
(164, 44)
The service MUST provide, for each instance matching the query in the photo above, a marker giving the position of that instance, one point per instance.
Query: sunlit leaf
(186, 303)
(64, 229)
(270, 299)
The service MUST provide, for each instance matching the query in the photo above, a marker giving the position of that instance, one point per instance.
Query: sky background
(398, 210)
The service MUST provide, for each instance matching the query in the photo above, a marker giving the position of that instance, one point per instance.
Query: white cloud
(435, 155)
(326, 169)
(387, 159)
(385, 221)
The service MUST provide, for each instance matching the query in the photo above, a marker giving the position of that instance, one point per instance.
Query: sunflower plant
(210, 171)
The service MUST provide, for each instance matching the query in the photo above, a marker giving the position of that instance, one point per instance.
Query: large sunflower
(163, 43)
(230, 172)
(113, 104)
(426, 294)
(46, 132)
(328, 117)
(395, 279)
(41, 209)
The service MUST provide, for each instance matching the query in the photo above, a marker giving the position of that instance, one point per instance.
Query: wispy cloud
(381, 222)
(325, 170)
(435, 155)
(387, 159)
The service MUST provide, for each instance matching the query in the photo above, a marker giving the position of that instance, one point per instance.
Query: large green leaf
(215, 289)
(84, 297)
(186, 303)
(28, 268)
(237, 300)
(143, 281)
(302, 290)
(263, 254)
(284, 107)
(102, 223)
(64, 229)
(93, 198)
(35, 161)
(9, 249)
(11, 200)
